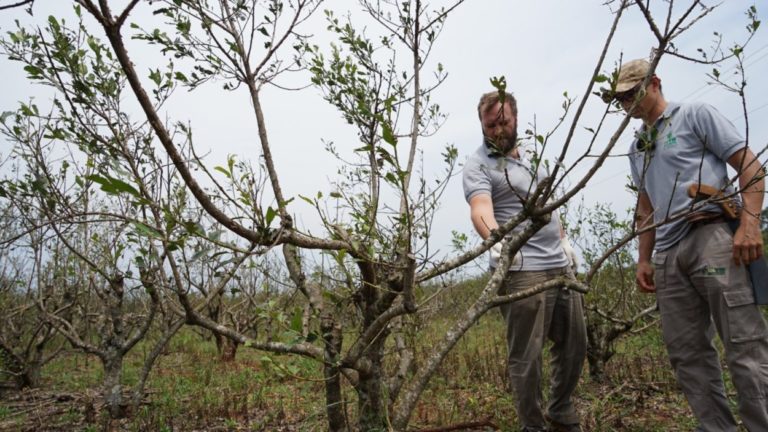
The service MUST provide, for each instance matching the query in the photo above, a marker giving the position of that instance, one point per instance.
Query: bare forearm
(647, 241)
(751, 184)
(748, 240)
(484, 224)
(644, 218)
(481, 213)
(752, 188)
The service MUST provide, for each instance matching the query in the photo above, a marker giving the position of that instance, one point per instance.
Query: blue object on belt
(758, 273)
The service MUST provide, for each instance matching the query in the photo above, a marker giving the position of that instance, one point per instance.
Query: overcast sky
(543, 48)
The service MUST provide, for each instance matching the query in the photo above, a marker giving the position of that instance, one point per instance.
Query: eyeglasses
(629, 95)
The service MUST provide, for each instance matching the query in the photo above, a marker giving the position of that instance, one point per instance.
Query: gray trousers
(698, 285)
(554, 314)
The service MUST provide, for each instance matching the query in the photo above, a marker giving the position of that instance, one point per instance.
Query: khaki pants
(555, 314)
(698, 286)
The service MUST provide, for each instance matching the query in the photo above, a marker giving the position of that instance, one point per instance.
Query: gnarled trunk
(372, 402)
(333, 396)
(113, 388)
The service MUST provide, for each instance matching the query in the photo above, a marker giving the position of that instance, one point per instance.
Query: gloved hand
(570, 253)
(495, 252)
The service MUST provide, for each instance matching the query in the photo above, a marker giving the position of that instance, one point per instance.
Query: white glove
(495, 251)
(570, 253)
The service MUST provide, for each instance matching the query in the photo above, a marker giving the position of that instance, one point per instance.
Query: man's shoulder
(477, 158)
(693, 109)
(475, 163)
(475, 176)
(480, 152)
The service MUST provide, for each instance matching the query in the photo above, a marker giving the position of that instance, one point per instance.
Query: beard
(504, 144)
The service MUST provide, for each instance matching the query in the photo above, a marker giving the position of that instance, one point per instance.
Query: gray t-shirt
(688, 144)
(484, 174)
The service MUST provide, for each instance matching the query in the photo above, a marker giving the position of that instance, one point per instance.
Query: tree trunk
(333, 396)
(214, 312)
(371, 400)
(113, 388)
(599, 351)
(25, 371)
(36, 362)
(30, 378)
(149, 362)
(228, 350)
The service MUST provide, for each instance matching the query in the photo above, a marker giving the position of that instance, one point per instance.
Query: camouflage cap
(631, 74)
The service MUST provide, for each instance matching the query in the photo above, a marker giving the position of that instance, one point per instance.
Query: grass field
(190, 389)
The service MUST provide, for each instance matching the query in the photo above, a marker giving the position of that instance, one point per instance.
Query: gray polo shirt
(485, 174)
(689, 143)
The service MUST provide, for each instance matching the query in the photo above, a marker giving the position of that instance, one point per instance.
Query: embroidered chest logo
(670, 141)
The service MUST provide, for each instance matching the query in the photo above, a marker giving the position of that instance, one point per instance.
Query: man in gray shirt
(698, 271)
(496, 177)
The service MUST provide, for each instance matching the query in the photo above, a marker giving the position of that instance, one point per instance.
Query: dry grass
(191, 390)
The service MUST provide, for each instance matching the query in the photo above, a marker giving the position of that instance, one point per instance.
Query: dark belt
(709, 220)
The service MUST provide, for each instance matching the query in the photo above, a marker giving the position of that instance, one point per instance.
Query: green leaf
(199, 254)
(223, 170)
(29, 110)
(307, 200)
(500, 84)
(388, 135)
(155, 76)
(183, 27)
(194, 228)
(231, 163)
(55, 133)
(93, 43)
(296, 321)
(271, 213)
(53, 23)
(114, 186)
(146, 230)
(33, 71)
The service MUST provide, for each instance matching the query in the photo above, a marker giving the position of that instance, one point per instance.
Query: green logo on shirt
(671, 140)
(713, 271)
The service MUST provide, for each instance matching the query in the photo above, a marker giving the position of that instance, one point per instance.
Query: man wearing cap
(496, 176)
(698, 271)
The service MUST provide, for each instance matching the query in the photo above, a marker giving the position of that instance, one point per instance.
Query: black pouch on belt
(758, 273)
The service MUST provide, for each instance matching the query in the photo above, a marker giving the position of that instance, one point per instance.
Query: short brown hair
(490, 99)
